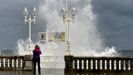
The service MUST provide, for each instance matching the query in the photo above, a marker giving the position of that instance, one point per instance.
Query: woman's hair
(37, 46)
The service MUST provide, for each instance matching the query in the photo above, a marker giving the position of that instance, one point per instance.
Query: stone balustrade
(86, 64)
(14, 63)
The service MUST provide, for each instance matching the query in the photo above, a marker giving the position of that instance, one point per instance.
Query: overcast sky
(114, 17)
(115, 21)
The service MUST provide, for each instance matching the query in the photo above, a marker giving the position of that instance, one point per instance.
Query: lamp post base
(30, 47)
(68, 52)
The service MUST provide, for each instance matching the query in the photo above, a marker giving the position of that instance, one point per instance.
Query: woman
(36, 59)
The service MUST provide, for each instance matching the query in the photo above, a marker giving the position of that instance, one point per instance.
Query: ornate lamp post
(29, 17)
(68, 17)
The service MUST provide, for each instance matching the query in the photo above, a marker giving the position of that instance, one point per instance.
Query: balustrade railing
(98, 64)
(12, 62)
(102, 63)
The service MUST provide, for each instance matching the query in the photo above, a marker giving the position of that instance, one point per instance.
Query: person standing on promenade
(36, 59)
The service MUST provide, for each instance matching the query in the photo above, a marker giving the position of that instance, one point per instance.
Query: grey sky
(115, 22)
(12, 22)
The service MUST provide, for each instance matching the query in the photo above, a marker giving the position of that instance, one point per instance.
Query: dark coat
(36, 55)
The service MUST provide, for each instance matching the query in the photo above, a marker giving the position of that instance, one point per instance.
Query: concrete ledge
(28, 57)
(28, 63)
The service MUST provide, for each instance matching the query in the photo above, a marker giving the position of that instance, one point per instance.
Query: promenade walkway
(43, 72)
(61, 72)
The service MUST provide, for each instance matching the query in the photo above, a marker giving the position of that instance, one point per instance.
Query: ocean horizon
(124, 53)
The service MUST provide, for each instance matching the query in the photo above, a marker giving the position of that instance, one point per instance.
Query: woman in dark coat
(36, 59)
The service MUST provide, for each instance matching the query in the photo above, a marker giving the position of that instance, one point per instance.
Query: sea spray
(84, 35)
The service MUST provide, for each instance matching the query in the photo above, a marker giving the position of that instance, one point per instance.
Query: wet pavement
(61, 72)
(43, 72)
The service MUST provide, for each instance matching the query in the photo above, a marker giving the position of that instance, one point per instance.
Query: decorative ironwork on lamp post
(68, 17)
(29, 17)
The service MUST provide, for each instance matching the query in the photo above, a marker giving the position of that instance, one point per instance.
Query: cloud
(115, 21)
(12, 23)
